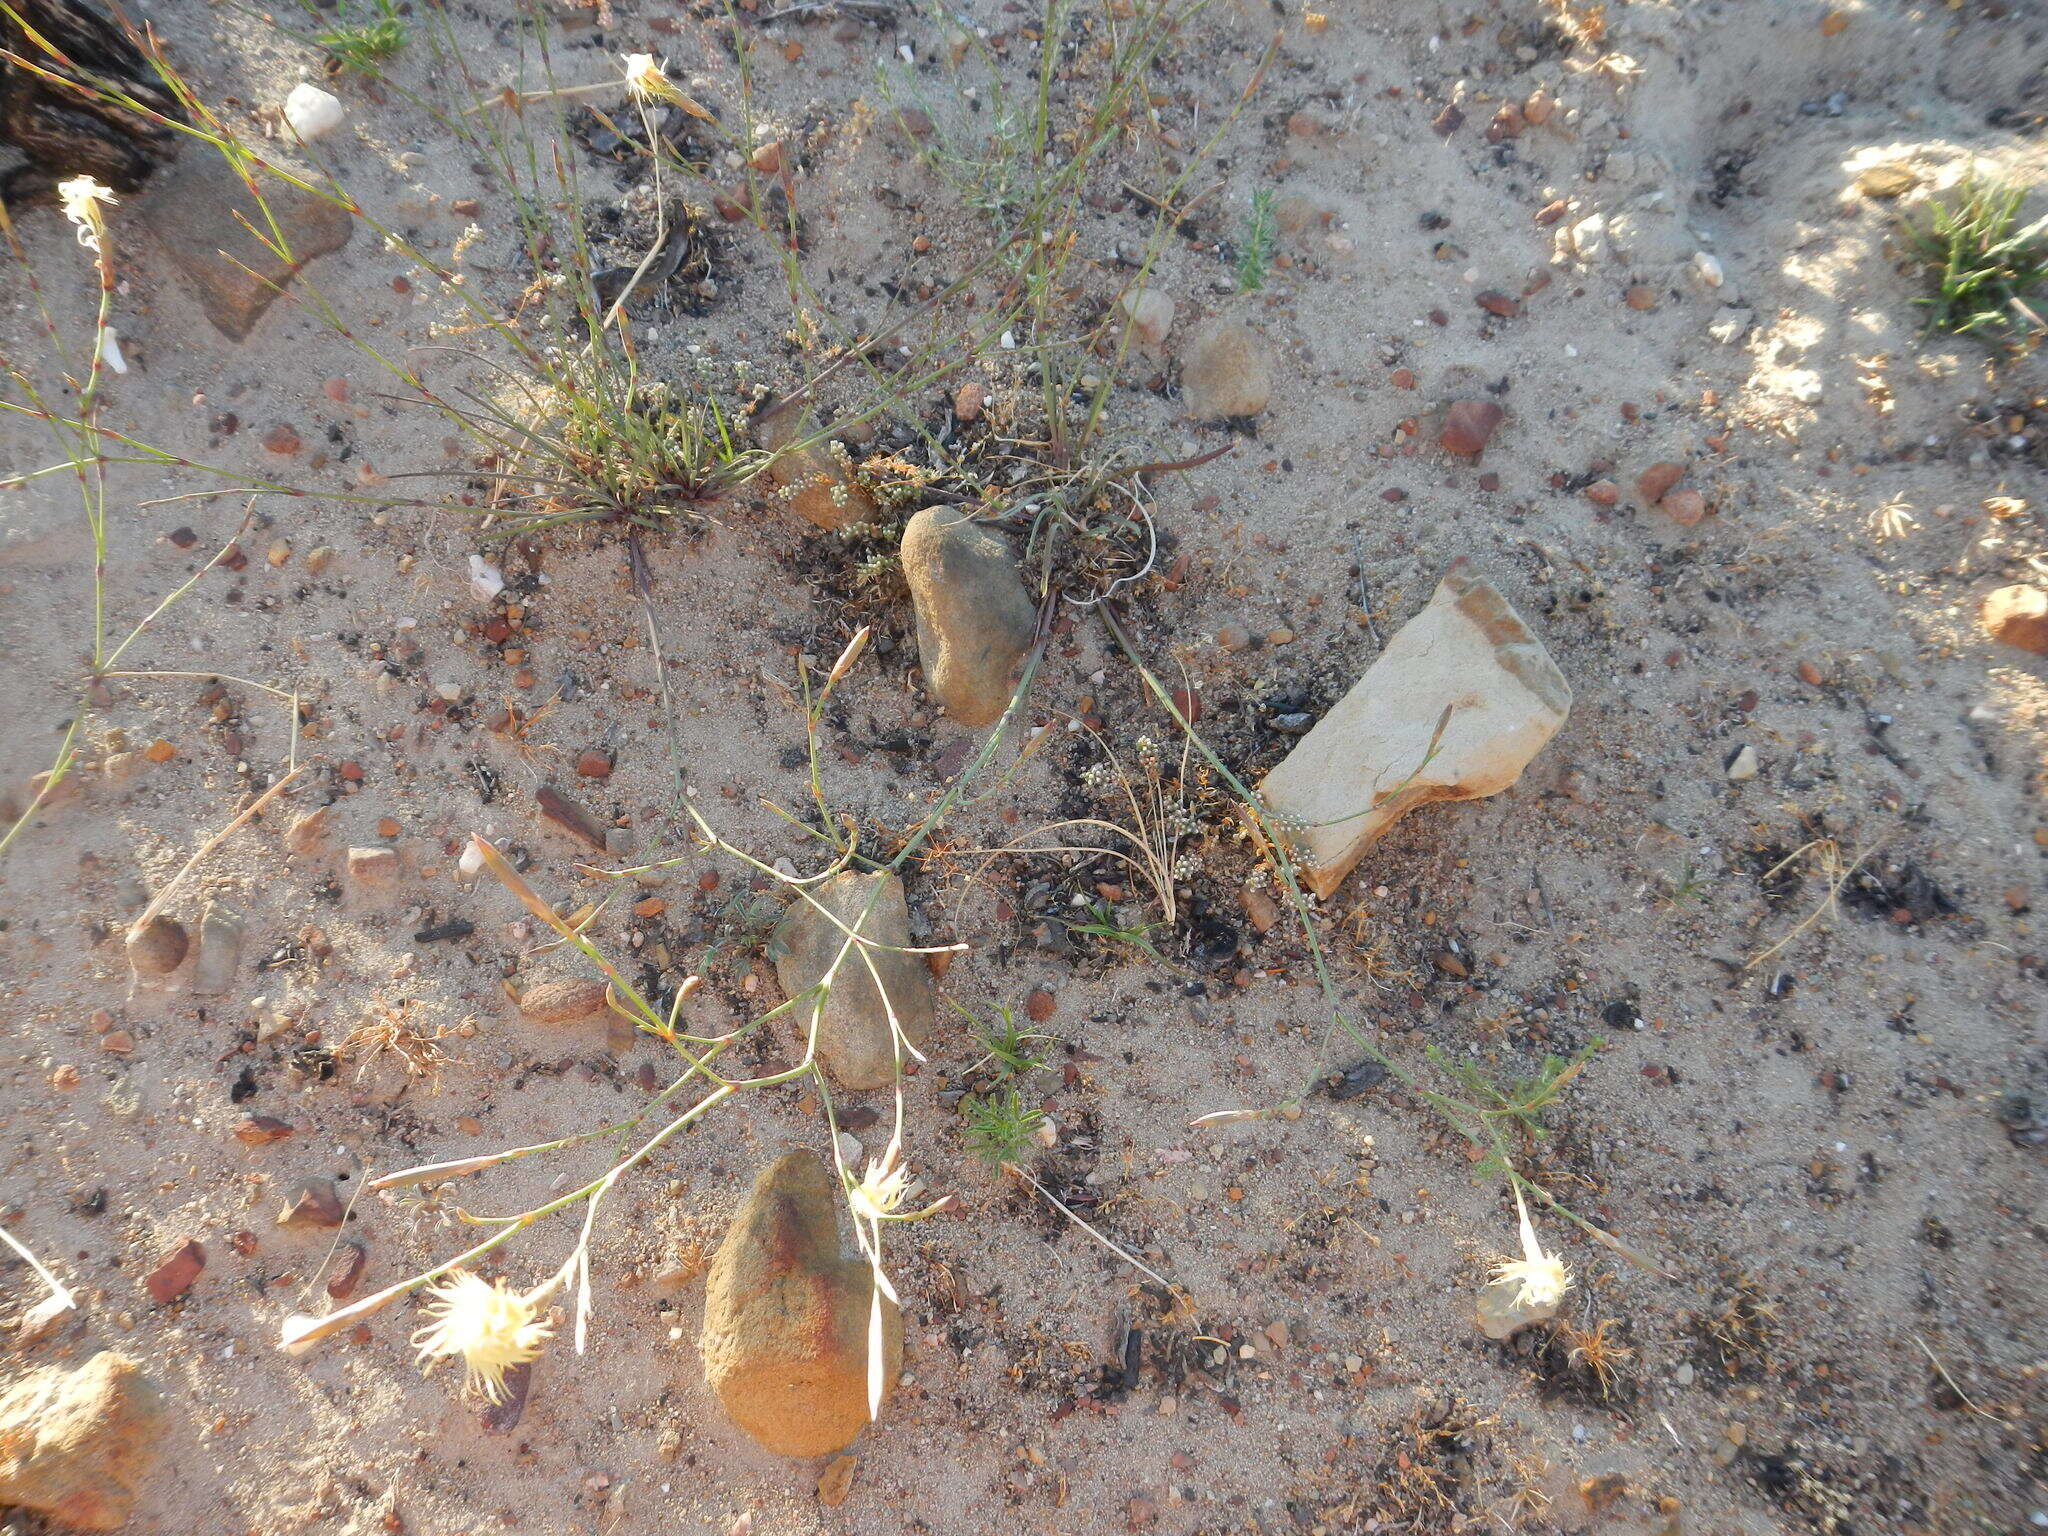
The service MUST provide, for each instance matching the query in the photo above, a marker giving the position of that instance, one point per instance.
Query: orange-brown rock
(2018, 616)
(785, 1339)
(813, 477)
(75, 1443)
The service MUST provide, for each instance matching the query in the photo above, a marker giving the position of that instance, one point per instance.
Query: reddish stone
(1468, 424)
(174, 1275)
(342, 1283)
(1603, 493)
(1685, 506)
(566, 814)
(1498, 304)
(314, 1203)
(261, 1130)
(1038, 1005)
(1653, 482)
(593, 764)
(282, 439)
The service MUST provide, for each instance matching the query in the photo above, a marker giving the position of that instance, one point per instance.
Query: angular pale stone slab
(1363, 766)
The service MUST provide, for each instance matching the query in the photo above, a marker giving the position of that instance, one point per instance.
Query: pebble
(562, 999)
(786, 1317)
(1685, 506)
(1466, 648)
(851, 1024)
(1603, 493)
(1151, 313)
(374, 866)
(1225, 372)
(1707, 267)
(485, 579)
(175, 1272)
(312, 113)
(1886, 181)
(157, 947)
(1469, 424)
(220, 950)
(1502, 1313)
(1232, 637)
(560, 811)
(1660, 477)
(308, 831)
(1740, 765)
(974, 621)
(593, 764)
(815, 479)
(193, 211)
(313, 1203)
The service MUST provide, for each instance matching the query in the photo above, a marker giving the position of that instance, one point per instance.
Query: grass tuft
(361, 46)
(1000, 1126)
(1983, 267)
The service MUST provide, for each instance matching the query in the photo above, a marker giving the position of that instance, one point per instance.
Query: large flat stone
(190, 208)
(1368, 761)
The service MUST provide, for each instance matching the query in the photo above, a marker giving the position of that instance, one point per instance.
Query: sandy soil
(1832, 1128)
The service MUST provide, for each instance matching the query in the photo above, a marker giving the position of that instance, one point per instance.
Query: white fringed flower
(644, 77)
(882, 1193)
(1542, 1276)
(647, 82)
(81, 197)
(491, 1326)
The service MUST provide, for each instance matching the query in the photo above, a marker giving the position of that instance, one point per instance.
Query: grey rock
(974, 621)
(191, 207)
(1503, 1311)
(220, 950)
(852, 1019)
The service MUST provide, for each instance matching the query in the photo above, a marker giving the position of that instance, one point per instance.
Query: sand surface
(1818, 1135)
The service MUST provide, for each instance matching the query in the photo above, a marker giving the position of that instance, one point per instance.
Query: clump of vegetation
(360, 46)
(1006, 1043)
(1983, 266)
(1514, 1104)
(1255, 253)
(1738, 1329)
(1000, 1126)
